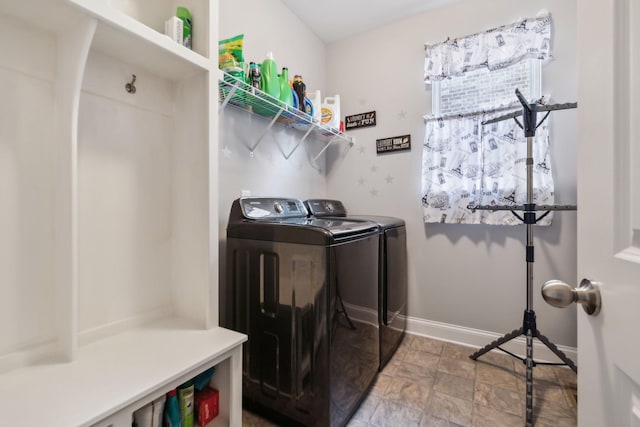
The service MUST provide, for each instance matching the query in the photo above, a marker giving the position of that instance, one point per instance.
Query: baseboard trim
(477, 338)
(29, 355)
(462, 335)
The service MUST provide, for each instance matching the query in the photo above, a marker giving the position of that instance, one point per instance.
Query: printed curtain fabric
(494, 49)
(466, 163)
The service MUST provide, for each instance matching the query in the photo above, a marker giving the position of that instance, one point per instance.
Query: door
(609, 210)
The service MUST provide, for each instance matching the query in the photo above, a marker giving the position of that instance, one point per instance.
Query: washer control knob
(329, 207)
(278, 207)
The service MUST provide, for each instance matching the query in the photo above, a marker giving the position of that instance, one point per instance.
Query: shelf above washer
(239, 94)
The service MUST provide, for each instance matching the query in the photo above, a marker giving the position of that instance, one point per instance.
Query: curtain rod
(429, 118)
(543, 15)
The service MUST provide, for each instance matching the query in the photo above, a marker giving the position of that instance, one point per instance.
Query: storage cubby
(109, 260)
(142, 192)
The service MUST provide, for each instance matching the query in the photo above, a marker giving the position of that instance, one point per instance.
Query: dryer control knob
(278, 207)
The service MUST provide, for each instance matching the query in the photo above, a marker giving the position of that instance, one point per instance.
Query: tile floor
(434, 383)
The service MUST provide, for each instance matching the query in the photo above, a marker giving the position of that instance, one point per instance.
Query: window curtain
(494, 49)
(466, 163)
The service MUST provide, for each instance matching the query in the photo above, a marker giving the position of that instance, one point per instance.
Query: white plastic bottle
(331, 112)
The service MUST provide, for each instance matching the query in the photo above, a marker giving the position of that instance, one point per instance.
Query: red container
(207, 405)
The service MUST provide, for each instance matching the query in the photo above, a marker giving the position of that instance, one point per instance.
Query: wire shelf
(237, 93)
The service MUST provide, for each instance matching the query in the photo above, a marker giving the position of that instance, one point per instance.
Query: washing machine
(291, 285)
(393, 280)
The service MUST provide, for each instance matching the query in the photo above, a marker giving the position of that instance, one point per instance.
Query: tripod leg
(529, 395)
(557, 351)
(511, 335)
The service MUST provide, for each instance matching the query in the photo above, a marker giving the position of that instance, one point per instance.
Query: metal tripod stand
(528, 328)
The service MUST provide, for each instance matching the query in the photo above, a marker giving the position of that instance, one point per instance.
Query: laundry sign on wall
(360, 120)
(395, 143)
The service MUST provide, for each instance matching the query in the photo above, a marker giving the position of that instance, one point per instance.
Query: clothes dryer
(290, 283)
(393, 279)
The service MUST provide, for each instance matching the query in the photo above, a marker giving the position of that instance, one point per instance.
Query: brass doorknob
(560, 294)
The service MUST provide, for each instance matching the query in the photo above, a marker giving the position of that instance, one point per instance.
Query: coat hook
(130, 87)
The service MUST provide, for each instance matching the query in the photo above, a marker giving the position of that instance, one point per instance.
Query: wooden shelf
(122, 37)
(112, 374)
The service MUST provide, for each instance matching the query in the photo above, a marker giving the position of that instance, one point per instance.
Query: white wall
(466, 275)
(269, 26)
(27, 176)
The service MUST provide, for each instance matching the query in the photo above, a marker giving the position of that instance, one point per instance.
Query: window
(483, 89)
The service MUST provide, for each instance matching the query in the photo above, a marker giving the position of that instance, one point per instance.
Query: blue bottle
(172, 410)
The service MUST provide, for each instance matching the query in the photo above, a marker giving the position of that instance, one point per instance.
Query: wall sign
(361, 120)
(396, 143)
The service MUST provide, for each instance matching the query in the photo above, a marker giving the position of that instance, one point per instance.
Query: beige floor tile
(393, 414)
(421, 358)
(366, 409)
(499, 359)
(500, 377)
(427, 344)
(416, 372)
(409, 392)
(357, 423)
(540, 372)
(406, 342)
(553, 408)
(566, 376)
(546, 391)
(450, 408)
(456, 351)
(454, 386)
(485, 416)
(499, 398)
(458, 367)
(555, 422)
(380, 386)
(431, 421)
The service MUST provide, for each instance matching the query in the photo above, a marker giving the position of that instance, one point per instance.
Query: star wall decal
(389, 179)
(402, 114)
(374, 169)
(226, 152)
(361, 149)
(361, 181)
(362, 101)
(373, 192)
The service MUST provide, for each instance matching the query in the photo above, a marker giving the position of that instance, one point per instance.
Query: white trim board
(477, 339)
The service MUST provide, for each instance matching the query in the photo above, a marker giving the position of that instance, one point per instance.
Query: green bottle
(286, 95)
(269, 77)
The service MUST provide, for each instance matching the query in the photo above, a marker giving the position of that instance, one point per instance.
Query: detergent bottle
(286, 94)
(269, 80)
(301, 90)
(330, 115)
